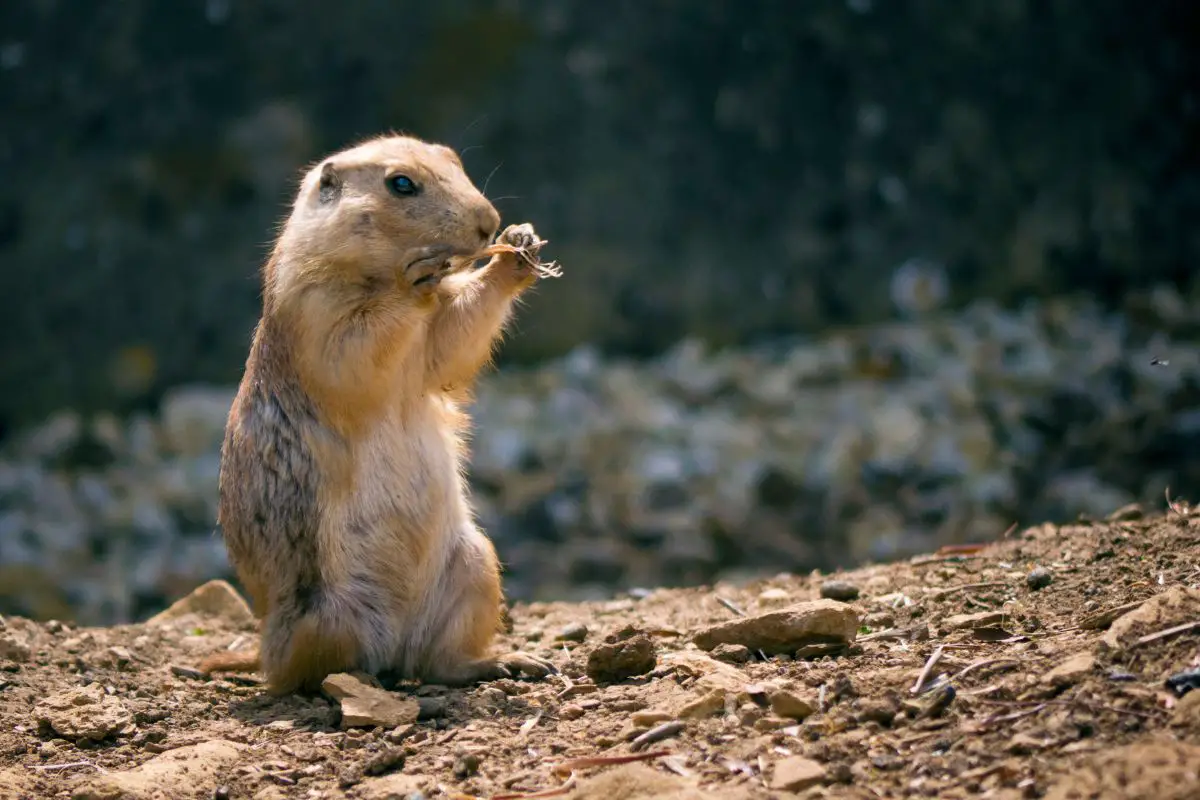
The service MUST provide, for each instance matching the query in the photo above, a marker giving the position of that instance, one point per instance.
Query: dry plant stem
(732, 606)
(929, 665)
(1163, 634)
(544, 269)
(656, 734)
(602, 761)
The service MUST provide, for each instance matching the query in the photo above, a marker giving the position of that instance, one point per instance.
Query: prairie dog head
(388, 209)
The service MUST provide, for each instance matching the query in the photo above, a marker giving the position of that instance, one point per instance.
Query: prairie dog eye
(403, 185)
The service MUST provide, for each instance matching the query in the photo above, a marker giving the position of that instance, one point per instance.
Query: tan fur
(343, 504)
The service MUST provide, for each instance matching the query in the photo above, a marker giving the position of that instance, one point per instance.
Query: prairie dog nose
(487, 220)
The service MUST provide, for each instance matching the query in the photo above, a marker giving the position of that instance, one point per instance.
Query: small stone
(796, 773)
(878, 710)
(842, 591)
(732, 653)
(213, 599)
(119, 657)
(710, 704)
(1038, 578)
(84, 714)
(785, 630)
(399, 733)
(432, 707)
(771, 722)
(648, 719)
(571, 711)
(12, 649)
(631, 653)
(749, 713)
(1182, 683)
(387, 761)
(575, 632)
(984, 619)
(466, 765)
(792, 706)
(819, 650)
(774, 596)
(366, 706)
(1071, 671)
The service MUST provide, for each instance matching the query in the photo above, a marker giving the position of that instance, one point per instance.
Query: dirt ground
(1043, 661)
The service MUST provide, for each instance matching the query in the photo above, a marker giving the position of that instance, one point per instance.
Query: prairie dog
(342, 499)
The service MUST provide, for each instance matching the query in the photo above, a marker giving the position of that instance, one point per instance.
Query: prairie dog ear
(329, 185)
(451, 154)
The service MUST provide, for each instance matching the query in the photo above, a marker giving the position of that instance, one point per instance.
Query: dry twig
(732, 606)
(929, 665)
(1163, 634)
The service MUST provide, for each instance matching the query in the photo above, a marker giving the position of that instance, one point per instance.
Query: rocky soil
(1055, 663)
(594, 474)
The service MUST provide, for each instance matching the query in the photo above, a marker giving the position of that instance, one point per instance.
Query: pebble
(628, 654)
(1039, 578)
(790, 705)
(571, 711)
(796, 774)
(575, 632)
(13, 649)
(784, 630)
(732, 653)
(1071, 671)
(843, 591)
(466, 765)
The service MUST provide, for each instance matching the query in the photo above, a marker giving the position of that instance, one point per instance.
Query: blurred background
(844, 279)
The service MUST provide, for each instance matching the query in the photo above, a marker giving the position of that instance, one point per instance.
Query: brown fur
(342, 500)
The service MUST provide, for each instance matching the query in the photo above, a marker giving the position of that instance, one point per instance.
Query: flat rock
(970, 622)
(1070, 671)
(1164, 610)
(796, 773)
(790, 705)
(84, 714)
(13, 649)
(1156, 768)
(213, 599)
(640, 782)
(785, 630)
(367, 706)
(190, 772)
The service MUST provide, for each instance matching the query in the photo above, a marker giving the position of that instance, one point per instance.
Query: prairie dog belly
(387, 535)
